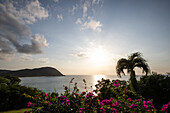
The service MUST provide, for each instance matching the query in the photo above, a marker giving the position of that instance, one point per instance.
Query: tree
(134, 60)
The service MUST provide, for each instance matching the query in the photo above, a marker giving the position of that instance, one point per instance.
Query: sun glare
(98, 77)
(99, 57)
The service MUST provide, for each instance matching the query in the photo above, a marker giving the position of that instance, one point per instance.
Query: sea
(57, 84)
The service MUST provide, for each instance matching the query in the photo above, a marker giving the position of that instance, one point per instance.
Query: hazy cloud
(56, 1)
(96, 1)
(86, 21)
(80, 55)
(60, 17)
(15, 35)
(78, 21)
(93, 24)
(74, 8)
(88, 5)
(26, 57)
(43, 60)
(90, 24)
(85, 8)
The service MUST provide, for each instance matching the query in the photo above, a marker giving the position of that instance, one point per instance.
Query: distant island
(43, 71)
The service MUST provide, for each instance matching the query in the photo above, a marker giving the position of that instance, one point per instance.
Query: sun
(99, 56)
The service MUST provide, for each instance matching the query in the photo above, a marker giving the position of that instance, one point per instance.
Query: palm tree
(134, 60)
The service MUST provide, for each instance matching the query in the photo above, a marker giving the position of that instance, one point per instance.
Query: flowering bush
(89, 102)
(166, 108)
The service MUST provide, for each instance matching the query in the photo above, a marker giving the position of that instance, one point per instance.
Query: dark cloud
(13, 34)
(81, 55)
(6, 52)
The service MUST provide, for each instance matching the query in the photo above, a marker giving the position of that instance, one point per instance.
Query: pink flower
(146, 106)
(117, 84)
(113, 104)
(133, 106)
(33, 105)
(76, 94)
(29, 104)
(46, 94)
(83, 93)
(129, 99)
(113, 110)
(102, 109)
(140, 100)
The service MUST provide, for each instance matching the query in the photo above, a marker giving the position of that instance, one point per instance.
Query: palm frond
(138, 61)
(121, 65)
(134, 55)
(144, 66)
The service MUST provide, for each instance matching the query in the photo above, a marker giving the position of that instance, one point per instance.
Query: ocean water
(56, 84)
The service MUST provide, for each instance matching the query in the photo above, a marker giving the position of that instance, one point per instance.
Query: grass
(17, 111)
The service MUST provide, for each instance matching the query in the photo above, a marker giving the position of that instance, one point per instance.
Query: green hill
(43, 71)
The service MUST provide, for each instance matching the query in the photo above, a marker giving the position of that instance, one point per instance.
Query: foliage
(106, 89)
(89, 102)
(18, 111)
(156, 87)
(166, 108)
(109, 97)
(134, 60)
(11, 93)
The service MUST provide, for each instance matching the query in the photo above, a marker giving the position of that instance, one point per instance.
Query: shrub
(11, 93)
(115, 88)
(89, 102)
(156, 87)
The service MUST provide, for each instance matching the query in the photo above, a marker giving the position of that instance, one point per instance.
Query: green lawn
(17, 111)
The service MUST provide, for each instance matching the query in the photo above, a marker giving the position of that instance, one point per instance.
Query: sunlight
(98, 77)
(99, 56)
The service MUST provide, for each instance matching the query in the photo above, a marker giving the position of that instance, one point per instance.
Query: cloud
(91, 24)
(56, 1)
(37, 42)
(29, 13)
(88, 7)
(6, 52)
(35, 11)
(60, 17)
(78, 21)
(96, 1)
(80, 55)
(43, 60)
(74, 8)
(13, 34)
(26, 57)
(85, 8)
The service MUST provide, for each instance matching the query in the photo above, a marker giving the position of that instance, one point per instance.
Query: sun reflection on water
(98, 77)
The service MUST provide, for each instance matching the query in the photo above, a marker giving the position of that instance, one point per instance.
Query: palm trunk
(133, 82)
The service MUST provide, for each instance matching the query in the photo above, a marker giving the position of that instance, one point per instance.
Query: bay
(56, 84)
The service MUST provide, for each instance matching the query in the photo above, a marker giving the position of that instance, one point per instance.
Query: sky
(83, 37)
